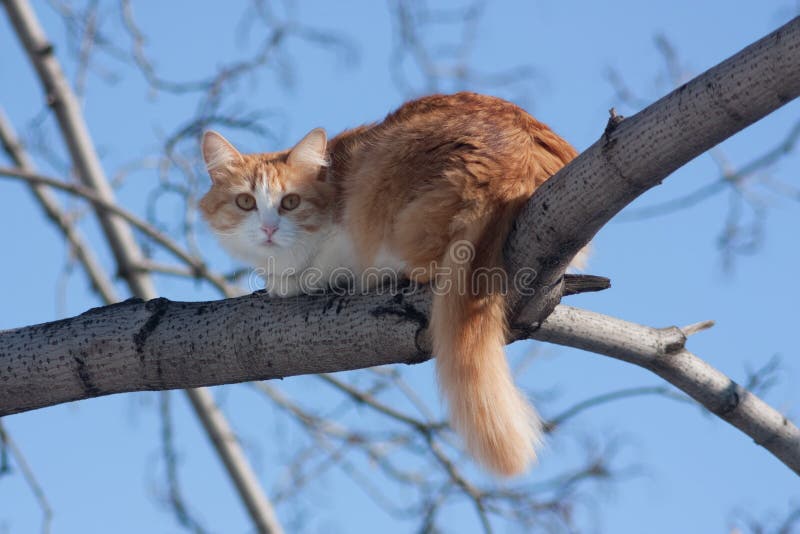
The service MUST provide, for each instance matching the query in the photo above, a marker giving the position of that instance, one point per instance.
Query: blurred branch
(277, 33)
(175, 495)
(739, 234)
(78, 245)
(744, 522)
(762, 379)
(420, 65)
(555, 422)
(728, 177)
(8, 444)
(524, 505)
(196, 265)
(85, 39)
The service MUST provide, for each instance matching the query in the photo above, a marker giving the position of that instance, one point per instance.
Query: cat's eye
(290, 201)
(245, 201)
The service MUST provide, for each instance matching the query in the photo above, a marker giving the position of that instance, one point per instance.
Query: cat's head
(266, 205)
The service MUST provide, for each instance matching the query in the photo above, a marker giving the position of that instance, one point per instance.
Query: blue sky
(99, 460)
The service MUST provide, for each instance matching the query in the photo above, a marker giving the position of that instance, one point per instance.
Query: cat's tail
(468, 322)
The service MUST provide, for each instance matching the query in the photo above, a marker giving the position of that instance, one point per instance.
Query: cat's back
(407, 181)
(434, 118)
(463, 111)
(438, 131)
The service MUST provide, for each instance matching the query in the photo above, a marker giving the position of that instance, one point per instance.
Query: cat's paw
(287, 286)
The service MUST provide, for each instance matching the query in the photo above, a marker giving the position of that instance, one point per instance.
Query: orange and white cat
(401, 194)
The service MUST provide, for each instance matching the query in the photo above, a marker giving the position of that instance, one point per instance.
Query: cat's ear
(218, 154)
(309, 153)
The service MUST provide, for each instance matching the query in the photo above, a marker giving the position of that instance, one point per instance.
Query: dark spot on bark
(201, 310)
(89, 387)
(522, 331)
(158, 307)
(731, 400)
(675, 346)
(46, 49)
(404, 311)
(334, 302)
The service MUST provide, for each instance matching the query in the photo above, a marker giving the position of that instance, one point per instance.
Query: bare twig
(30, 477)
(175, 496)
(663, 352)
(97, 276)
(742, 229)
(554, 422)
(197, 266)
(419, 66)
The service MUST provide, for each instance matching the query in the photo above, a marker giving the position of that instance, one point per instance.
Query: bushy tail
(500, 428)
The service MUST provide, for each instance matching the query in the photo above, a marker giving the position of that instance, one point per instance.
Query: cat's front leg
(283, 286)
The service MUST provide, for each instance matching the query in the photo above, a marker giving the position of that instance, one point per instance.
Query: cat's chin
(273, 247)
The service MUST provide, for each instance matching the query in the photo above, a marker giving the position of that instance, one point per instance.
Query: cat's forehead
(266, 172)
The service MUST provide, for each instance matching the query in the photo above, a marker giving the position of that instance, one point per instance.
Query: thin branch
(105, 205)
(175, 496)
(694, 328)
(365, 398)
(29, 476)
(663, 352)
(97, 276)
(554, 422)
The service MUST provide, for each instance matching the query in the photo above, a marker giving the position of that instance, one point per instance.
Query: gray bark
(636, 155)
(162, 344)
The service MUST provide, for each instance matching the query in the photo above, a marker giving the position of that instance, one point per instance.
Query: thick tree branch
(637, 154)
(161, 344)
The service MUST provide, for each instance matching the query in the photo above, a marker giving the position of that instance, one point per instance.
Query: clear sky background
(99, 461)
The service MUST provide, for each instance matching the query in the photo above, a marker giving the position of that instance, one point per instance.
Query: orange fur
(439, 172)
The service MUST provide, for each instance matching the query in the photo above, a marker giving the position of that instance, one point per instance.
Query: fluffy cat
(439, 173)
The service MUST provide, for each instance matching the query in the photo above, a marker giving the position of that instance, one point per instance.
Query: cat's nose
(269, 229)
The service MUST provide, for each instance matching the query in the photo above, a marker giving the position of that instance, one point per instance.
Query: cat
(439, 173)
